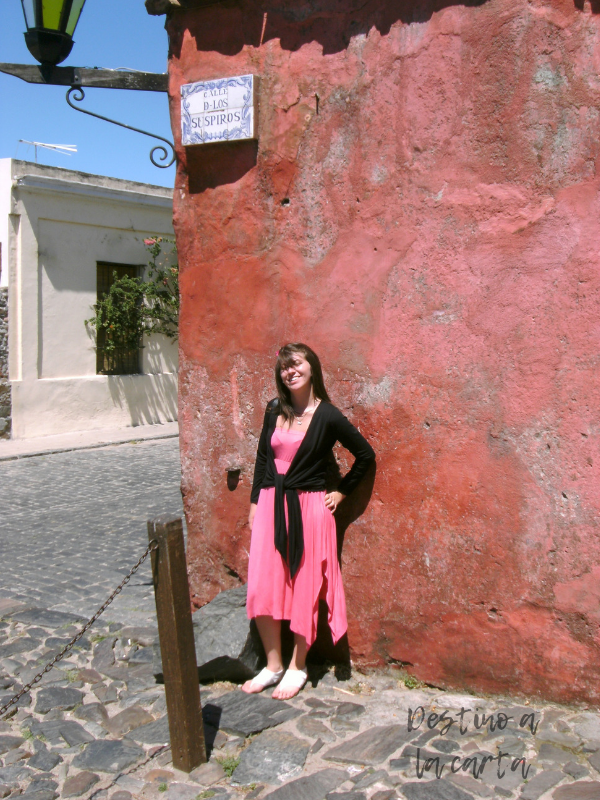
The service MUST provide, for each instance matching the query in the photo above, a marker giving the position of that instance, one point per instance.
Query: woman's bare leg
(270, 634)
(298, 662)
(299, 655)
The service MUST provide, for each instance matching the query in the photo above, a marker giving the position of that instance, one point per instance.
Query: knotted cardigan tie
(289, 539)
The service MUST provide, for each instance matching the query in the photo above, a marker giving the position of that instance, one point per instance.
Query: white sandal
(293, 679)
(265, 678)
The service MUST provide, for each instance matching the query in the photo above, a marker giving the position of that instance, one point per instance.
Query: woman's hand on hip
(333, 499)
(251, 515)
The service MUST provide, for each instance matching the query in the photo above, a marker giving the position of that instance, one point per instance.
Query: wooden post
(176, 636)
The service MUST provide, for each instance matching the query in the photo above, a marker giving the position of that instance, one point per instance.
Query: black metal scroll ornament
(78, 95)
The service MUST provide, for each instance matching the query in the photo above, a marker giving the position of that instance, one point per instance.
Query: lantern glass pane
(29, 13)
(51, 10)
(74, 16)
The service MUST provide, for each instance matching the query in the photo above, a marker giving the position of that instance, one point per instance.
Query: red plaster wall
(440, 251)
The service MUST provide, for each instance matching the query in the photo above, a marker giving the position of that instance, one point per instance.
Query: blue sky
(111, 33)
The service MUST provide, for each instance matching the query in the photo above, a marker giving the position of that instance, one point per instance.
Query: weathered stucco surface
(439, 250)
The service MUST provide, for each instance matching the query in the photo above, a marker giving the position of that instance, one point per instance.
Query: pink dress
(271, 592)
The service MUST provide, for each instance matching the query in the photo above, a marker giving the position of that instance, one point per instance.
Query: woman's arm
(362, 451)
(261, 456)
(251, 515)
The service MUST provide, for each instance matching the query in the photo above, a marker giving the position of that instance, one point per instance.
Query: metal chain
(150, 549)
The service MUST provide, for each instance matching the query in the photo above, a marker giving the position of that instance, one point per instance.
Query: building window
(117, 360)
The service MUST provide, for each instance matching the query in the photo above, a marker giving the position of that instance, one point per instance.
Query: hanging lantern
(50, 28)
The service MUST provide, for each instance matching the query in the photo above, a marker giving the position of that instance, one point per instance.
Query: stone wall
(4, 382)
(423, 208)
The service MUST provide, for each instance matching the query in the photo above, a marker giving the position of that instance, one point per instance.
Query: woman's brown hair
(285, 359)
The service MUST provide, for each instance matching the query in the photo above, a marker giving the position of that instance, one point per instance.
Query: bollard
(176, 636)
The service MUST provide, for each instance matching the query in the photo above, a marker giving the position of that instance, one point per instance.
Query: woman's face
(298, 374)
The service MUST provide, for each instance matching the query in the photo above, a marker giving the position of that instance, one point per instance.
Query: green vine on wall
(134, 306)
(160, 309)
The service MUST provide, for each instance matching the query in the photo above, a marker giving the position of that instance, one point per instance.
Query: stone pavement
(73, 524)
(95, 727)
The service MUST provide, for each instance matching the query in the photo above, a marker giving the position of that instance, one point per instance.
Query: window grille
(121, 360)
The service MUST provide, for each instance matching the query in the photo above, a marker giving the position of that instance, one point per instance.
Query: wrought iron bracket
(77, 77)
(77, 94)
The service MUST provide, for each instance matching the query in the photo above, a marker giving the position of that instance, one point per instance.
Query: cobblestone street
(74, 523)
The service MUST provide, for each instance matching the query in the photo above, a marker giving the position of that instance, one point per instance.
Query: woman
(293, 552)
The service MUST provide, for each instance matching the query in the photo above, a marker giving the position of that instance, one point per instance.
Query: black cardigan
(307, 471)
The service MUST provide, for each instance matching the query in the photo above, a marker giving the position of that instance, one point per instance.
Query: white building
(58, 228)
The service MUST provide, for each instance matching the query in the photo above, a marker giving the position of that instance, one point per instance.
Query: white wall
(5, 185)
(61, 224)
